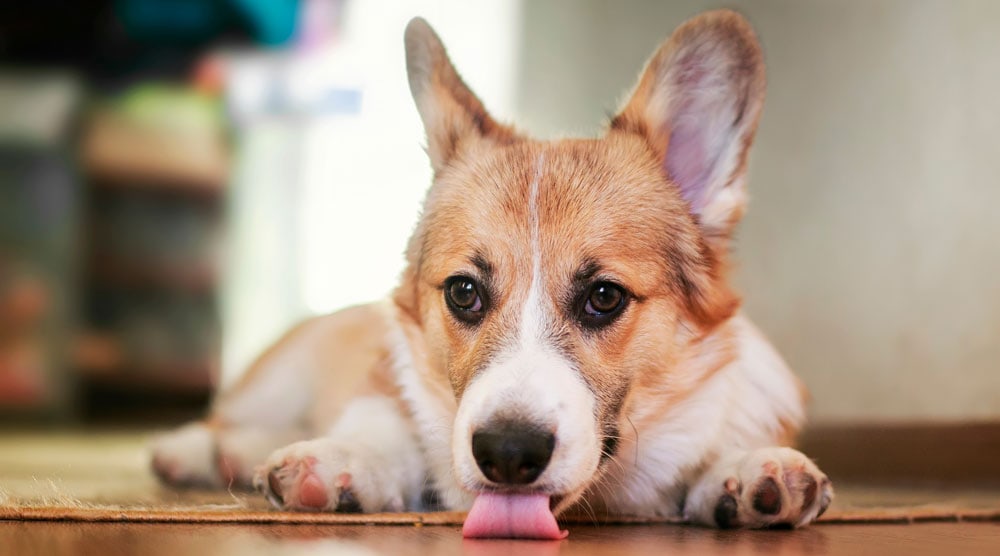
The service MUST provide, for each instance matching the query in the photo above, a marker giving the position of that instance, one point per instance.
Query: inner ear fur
(697, 105)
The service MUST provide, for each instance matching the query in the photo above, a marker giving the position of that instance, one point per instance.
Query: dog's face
(551, 278)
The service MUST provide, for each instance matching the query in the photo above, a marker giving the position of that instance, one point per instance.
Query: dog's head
(550, 278)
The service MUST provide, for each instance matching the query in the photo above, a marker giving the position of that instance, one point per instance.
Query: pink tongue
(512, 516)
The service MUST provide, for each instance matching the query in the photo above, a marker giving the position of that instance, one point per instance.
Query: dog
(563, 336)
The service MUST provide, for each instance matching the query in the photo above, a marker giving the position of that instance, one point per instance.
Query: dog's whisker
(636, 431)
(589, 509)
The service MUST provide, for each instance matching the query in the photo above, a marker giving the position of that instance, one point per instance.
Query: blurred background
(181, 180)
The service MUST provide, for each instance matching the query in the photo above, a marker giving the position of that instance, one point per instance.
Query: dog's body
(563, 334)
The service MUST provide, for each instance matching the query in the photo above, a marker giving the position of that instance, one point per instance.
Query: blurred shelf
(163, 377)
(194, 279)
(156, 164)
(100, 359)
(20, 387)
(97, 353)
(119, 180)
(128, 403)
(119, 154)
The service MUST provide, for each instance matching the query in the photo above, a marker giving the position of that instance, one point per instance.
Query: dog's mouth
(522, 513)
(514, 515)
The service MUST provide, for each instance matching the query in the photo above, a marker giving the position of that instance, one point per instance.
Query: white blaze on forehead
(534, 383)
(532, 323)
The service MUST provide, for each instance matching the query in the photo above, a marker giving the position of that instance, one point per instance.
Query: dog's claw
(274, 486)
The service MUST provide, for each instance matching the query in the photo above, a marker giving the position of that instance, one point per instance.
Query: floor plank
(54, 539)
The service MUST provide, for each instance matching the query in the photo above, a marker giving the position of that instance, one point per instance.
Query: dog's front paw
(768, 487)
(321, 475)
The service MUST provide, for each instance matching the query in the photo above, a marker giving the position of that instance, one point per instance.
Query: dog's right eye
(461, 294)
(601, 304)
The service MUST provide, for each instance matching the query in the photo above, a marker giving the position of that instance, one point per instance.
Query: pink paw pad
(312, 493)
(308, 490)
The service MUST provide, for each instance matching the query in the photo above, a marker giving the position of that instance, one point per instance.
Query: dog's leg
(274, 403)
(223, 450)
(200, 454)
(245, 425)
(369, 462)
(759, 488)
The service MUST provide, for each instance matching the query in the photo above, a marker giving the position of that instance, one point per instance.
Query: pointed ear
(451, 113)
(697, 104)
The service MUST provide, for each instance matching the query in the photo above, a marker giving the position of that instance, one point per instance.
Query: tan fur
(356, 353)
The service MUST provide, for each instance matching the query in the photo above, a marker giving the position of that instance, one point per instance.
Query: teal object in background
(271, 22)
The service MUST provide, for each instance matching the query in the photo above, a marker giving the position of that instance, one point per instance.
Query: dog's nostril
(512, 452)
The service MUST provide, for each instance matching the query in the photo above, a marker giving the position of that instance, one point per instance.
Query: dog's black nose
(512, 452)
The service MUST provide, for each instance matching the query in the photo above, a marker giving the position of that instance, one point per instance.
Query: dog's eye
(603, 303)
(462, 296)
(604, 298)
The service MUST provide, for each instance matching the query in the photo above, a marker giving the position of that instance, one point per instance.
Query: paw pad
(312, 493)
(726, 512)
(767, 497)
(347, 502)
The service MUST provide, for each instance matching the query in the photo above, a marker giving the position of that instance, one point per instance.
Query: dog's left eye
(463, 298)
(603, 303)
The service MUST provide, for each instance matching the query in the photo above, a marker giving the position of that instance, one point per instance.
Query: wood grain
(87, 539)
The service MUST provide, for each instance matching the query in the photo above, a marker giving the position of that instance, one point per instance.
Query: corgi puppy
(564, 334)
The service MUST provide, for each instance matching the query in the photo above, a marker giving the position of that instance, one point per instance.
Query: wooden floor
(110, 471)
(113, 539)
